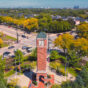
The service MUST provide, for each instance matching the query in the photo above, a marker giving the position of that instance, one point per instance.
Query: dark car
(28, 49)
(6, 54)
(23, 36)
(13, 56)
(10, 47)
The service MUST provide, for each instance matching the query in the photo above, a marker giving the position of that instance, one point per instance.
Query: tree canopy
(82, 30)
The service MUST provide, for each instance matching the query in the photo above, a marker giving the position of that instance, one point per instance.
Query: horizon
(43, 4)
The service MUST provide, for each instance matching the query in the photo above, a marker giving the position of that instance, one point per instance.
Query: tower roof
(41, 35)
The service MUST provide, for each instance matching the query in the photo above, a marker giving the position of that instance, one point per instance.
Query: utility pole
(17, 37)
(48, 43)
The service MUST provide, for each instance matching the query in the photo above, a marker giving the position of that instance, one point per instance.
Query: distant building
(64, 18)
(77, 22)
(76, 7)
(56, 17)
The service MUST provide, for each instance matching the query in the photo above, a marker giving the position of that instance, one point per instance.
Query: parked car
(23, 36)
(10, 47)
(24, 47)
(28, 50)
(6, 54)
(12, 56)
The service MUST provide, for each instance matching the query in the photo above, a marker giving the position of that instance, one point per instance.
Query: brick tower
(41, 43)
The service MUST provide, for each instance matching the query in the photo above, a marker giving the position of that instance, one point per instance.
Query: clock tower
(41, 43)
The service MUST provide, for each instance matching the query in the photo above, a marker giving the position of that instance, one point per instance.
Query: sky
(43, 3)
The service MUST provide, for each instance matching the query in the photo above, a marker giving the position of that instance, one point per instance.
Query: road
(29, 41)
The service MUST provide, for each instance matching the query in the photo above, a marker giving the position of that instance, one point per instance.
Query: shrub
(56, 86)
(62, 58)
(48, 76)
(61, 71)
(34, 82)
(72, 71)
(48, 83)
(9, 73)
(13, 83)
(54, 55)
(54, 65)
(33, 55)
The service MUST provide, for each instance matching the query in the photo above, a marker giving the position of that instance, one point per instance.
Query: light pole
(17, 35)
(16, 69)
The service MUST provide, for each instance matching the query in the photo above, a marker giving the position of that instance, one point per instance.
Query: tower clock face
(41, 43)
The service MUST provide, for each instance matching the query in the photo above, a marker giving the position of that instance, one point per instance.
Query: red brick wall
(41, 56)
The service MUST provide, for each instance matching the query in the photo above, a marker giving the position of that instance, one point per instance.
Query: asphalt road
(29, 41)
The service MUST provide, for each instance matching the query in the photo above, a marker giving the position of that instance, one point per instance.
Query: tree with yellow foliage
(82, 30)
(64, 41)
(81, 46)
(1, 42)
(31, 23)
(75, 48)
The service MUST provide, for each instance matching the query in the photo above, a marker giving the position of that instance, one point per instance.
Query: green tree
(19, 58)
(54, 55)
(3, 83)
(84, 74)
(56, 86)
(34, 54)
(79, 81)
(71, 21)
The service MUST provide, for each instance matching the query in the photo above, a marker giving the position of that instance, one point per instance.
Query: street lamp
(17, 35)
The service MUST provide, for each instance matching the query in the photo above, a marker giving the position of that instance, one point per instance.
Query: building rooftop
(41, 35)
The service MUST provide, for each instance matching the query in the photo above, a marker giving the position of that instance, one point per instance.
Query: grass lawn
(10, 38)
(27, 63)
(58, 65)
(6, 39)
(4, 45)
(7, 74)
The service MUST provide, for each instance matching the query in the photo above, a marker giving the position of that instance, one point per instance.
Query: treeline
(47, 24)
(30, 24)
(63, 12)
(42, 22)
